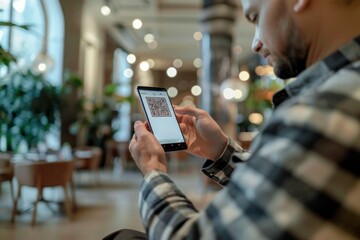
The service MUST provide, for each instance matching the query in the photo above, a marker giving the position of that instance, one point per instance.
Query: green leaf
(110, 89)
(72, 79)
(10, 24)
(5, 57)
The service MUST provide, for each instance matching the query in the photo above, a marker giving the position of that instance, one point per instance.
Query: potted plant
(29, 105)
(95, 116)
(29, 109)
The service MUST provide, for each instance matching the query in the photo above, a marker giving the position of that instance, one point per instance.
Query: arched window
(25, 45)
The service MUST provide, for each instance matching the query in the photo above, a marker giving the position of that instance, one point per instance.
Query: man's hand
(203, 135)
(146, 150)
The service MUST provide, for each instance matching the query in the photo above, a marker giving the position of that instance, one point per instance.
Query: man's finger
(187, 110)
(140, 128)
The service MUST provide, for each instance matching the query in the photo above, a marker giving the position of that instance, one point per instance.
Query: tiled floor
(102, 208)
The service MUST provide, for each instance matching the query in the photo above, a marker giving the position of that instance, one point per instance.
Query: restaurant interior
(68, 77)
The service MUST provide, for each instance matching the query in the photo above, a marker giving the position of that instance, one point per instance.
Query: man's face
(277, 38)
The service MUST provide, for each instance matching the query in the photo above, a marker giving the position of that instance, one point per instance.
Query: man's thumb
(139, 127)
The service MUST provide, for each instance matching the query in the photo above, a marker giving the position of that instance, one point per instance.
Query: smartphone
(161, 117)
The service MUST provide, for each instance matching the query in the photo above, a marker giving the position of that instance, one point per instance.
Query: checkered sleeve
(221, 170)
(164, 209)
(300, 182)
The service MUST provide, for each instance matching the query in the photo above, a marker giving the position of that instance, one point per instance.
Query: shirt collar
(319, 72)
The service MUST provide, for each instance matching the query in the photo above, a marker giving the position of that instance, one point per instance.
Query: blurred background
(68, 74)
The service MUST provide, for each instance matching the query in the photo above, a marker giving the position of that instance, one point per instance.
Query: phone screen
(161, 117)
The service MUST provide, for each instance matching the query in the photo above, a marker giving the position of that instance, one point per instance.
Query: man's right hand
(203, 135)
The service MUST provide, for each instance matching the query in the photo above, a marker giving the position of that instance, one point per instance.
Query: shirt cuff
(220, 170)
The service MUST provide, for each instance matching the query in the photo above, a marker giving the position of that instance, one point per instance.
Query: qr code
(158, 107)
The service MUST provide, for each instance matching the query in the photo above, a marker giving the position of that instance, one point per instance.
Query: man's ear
(300, 5)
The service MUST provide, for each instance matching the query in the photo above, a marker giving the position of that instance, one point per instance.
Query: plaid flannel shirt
(301, 180)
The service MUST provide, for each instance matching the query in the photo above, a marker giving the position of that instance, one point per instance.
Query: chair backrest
(96, 157)
(6, 168)
(47, 174)
(94, 161)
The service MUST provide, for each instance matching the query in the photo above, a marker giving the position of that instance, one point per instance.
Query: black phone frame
(169, 147)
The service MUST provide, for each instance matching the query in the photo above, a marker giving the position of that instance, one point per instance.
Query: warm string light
(264, 70)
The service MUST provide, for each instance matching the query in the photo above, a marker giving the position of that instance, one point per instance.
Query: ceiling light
(43, 63)
(144, 66)
(178, 63)
(153, 44)
(172, 91)
(197, 62)
(198, 36)
(244, 75)
(131, 58)
(128, 73)
(151, 62)
(149, 38)
(196, 90)
(137, 24)
(105, 10)
(171, 72)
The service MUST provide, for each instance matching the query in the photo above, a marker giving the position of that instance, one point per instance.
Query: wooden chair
(118, 149)
(7, 172)
(42, 175)
(110, 153)
(125, 156)
(88, 158)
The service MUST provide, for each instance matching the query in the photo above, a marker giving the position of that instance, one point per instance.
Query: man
(302, 180)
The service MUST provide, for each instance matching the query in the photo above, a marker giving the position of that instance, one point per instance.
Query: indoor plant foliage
(95, 116)
(29, 108)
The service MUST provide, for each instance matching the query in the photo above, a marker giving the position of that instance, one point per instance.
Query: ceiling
(173, 24)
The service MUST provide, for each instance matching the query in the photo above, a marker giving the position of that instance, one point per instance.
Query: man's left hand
(146, 150)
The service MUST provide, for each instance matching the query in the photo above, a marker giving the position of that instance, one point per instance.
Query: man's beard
(293, 60)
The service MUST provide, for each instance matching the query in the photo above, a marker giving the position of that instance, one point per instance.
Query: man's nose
(257, 45)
